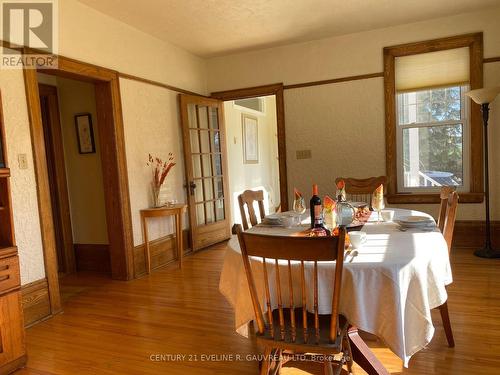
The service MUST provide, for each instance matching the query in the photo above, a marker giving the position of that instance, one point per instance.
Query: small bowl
(387, 215)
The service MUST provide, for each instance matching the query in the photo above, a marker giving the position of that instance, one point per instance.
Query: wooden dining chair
(247, 198)
(444, 196)
(293, 328)
(448, 224)
(361, 189)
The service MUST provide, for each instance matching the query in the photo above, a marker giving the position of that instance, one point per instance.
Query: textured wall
(343, 124)
(265, 174)
(24, 199)
(152, 125)
(90, 36)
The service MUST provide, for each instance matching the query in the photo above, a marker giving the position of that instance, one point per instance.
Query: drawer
(9, 274)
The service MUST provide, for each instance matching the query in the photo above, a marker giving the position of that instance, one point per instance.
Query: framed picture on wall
(250, 139)
(85, 133)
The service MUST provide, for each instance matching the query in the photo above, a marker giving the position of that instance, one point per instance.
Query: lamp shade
(484, 95)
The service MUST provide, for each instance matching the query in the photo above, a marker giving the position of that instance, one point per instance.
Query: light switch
(23, 161)
(303, 154)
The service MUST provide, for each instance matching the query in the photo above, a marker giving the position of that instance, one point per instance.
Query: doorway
(252, 150)
(205, 155)
(274, 120)
(73, 154)
(114, 169)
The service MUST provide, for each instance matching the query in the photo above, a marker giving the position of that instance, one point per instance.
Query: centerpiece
(159, 172)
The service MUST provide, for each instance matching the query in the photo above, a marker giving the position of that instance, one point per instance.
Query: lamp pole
(487, 251)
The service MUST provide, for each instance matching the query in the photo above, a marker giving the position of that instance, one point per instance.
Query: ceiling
(217, 27)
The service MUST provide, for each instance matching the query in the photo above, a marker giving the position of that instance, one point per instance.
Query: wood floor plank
(115, 327)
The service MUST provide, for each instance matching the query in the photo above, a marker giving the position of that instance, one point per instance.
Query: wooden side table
(176, 210)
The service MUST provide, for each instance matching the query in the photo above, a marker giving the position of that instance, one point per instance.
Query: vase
(156, 195)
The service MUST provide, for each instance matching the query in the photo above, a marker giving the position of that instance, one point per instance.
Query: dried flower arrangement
(159, 171)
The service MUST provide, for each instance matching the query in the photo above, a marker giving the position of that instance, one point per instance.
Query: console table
(176, 210)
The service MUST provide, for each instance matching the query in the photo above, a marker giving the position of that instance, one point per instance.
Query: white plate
(415, 221)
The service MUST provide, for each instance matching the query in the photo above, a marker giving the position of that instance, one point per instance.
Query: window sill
(414, 198)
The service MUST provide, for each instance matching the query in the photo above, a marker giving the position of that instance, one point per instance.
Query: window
(433, 139)
(433, 132)
(251, 104)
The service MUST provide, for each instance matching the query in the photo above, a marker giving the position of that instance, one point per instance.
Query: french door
(206, 169)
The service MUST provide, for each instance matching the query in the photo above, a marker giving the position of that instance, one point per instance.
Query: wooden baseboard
(16, 364)
(470, 233)
(36, 302)
(92, 257)
(163, 251)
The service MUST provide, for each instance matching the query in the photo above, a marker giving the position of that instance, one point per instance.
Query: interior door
(206, 169)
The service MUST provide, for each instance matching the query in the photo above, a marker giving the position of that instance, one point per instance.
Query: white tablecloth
(388, 289)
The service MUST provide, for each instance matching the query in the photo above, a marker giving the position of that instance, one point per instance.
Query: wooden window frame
(476, 188)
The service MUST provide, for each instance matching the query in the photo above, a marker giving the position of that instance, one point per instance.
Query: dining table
(390, 284)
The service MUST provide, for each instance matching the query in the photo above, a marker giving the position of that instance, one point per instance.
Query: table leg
(180, 249)
(363, 356)
(146, 245)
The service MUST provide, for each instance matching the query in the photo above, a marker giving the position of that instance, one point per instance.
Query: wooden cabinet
(12, 345)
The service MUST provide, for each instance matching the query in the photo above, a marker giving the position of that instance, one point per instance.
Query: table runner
(389, 285)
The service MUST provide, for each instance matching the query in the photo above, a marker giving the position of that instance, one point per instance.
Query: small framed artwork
(250, 139)
(85, 133)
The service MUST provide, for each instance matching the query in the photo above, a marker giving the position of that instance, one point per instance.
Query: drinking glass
(378, 205)
(299, 206)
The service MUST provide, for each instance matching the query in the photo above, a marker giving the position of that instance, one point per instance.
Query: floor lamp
(484, 97)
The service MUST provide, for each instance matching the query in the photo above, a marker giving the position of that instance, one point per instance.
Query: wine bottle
(315, 207)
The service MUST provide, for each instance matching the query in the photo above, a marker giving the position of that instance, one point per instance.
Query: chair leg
(347, 347)
(327, 368)
(443, 309)
(266, 362)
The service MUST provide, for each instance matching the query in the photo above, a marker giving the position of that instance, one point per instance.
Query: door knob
(192, 186)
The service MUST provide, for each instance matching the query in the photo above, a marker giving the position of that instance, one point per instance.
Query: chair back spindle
(287, 253)
(449, 221)
(247, 198)
(361, 189)
(444, 196)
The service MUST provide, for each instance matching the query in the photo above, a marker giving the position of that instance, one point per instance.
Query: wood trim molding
(432, 198)
(36, 302)
(334, 80)
(156, 83)
(163, 252)
(471, 233)
(488, 60)
(92, 257)
(475, 44)
(277, 90)
(43, 191)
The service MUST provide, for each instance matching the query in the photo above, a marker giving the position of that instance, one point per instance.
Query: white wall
(93, 37)
(152, 125)
(263, 175)
(347, 119)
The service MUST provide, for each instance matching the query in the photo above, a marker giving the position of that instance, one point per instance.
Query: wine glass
(299, 206)
(378, 205)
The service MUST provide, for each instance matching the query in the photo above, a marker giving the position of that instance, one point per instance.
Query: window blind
(433, 69)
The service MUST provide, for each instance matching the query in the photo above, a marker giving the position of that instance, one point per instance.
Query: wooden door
(56, 169)
(206, 169)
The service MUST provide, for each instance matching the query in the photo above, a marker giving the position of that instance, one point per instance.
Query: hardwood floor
(116, 327)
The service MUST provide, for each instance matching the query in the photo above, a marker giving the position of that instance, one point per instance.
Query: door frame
(115, 177)
(253, 92)
(59, 174)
